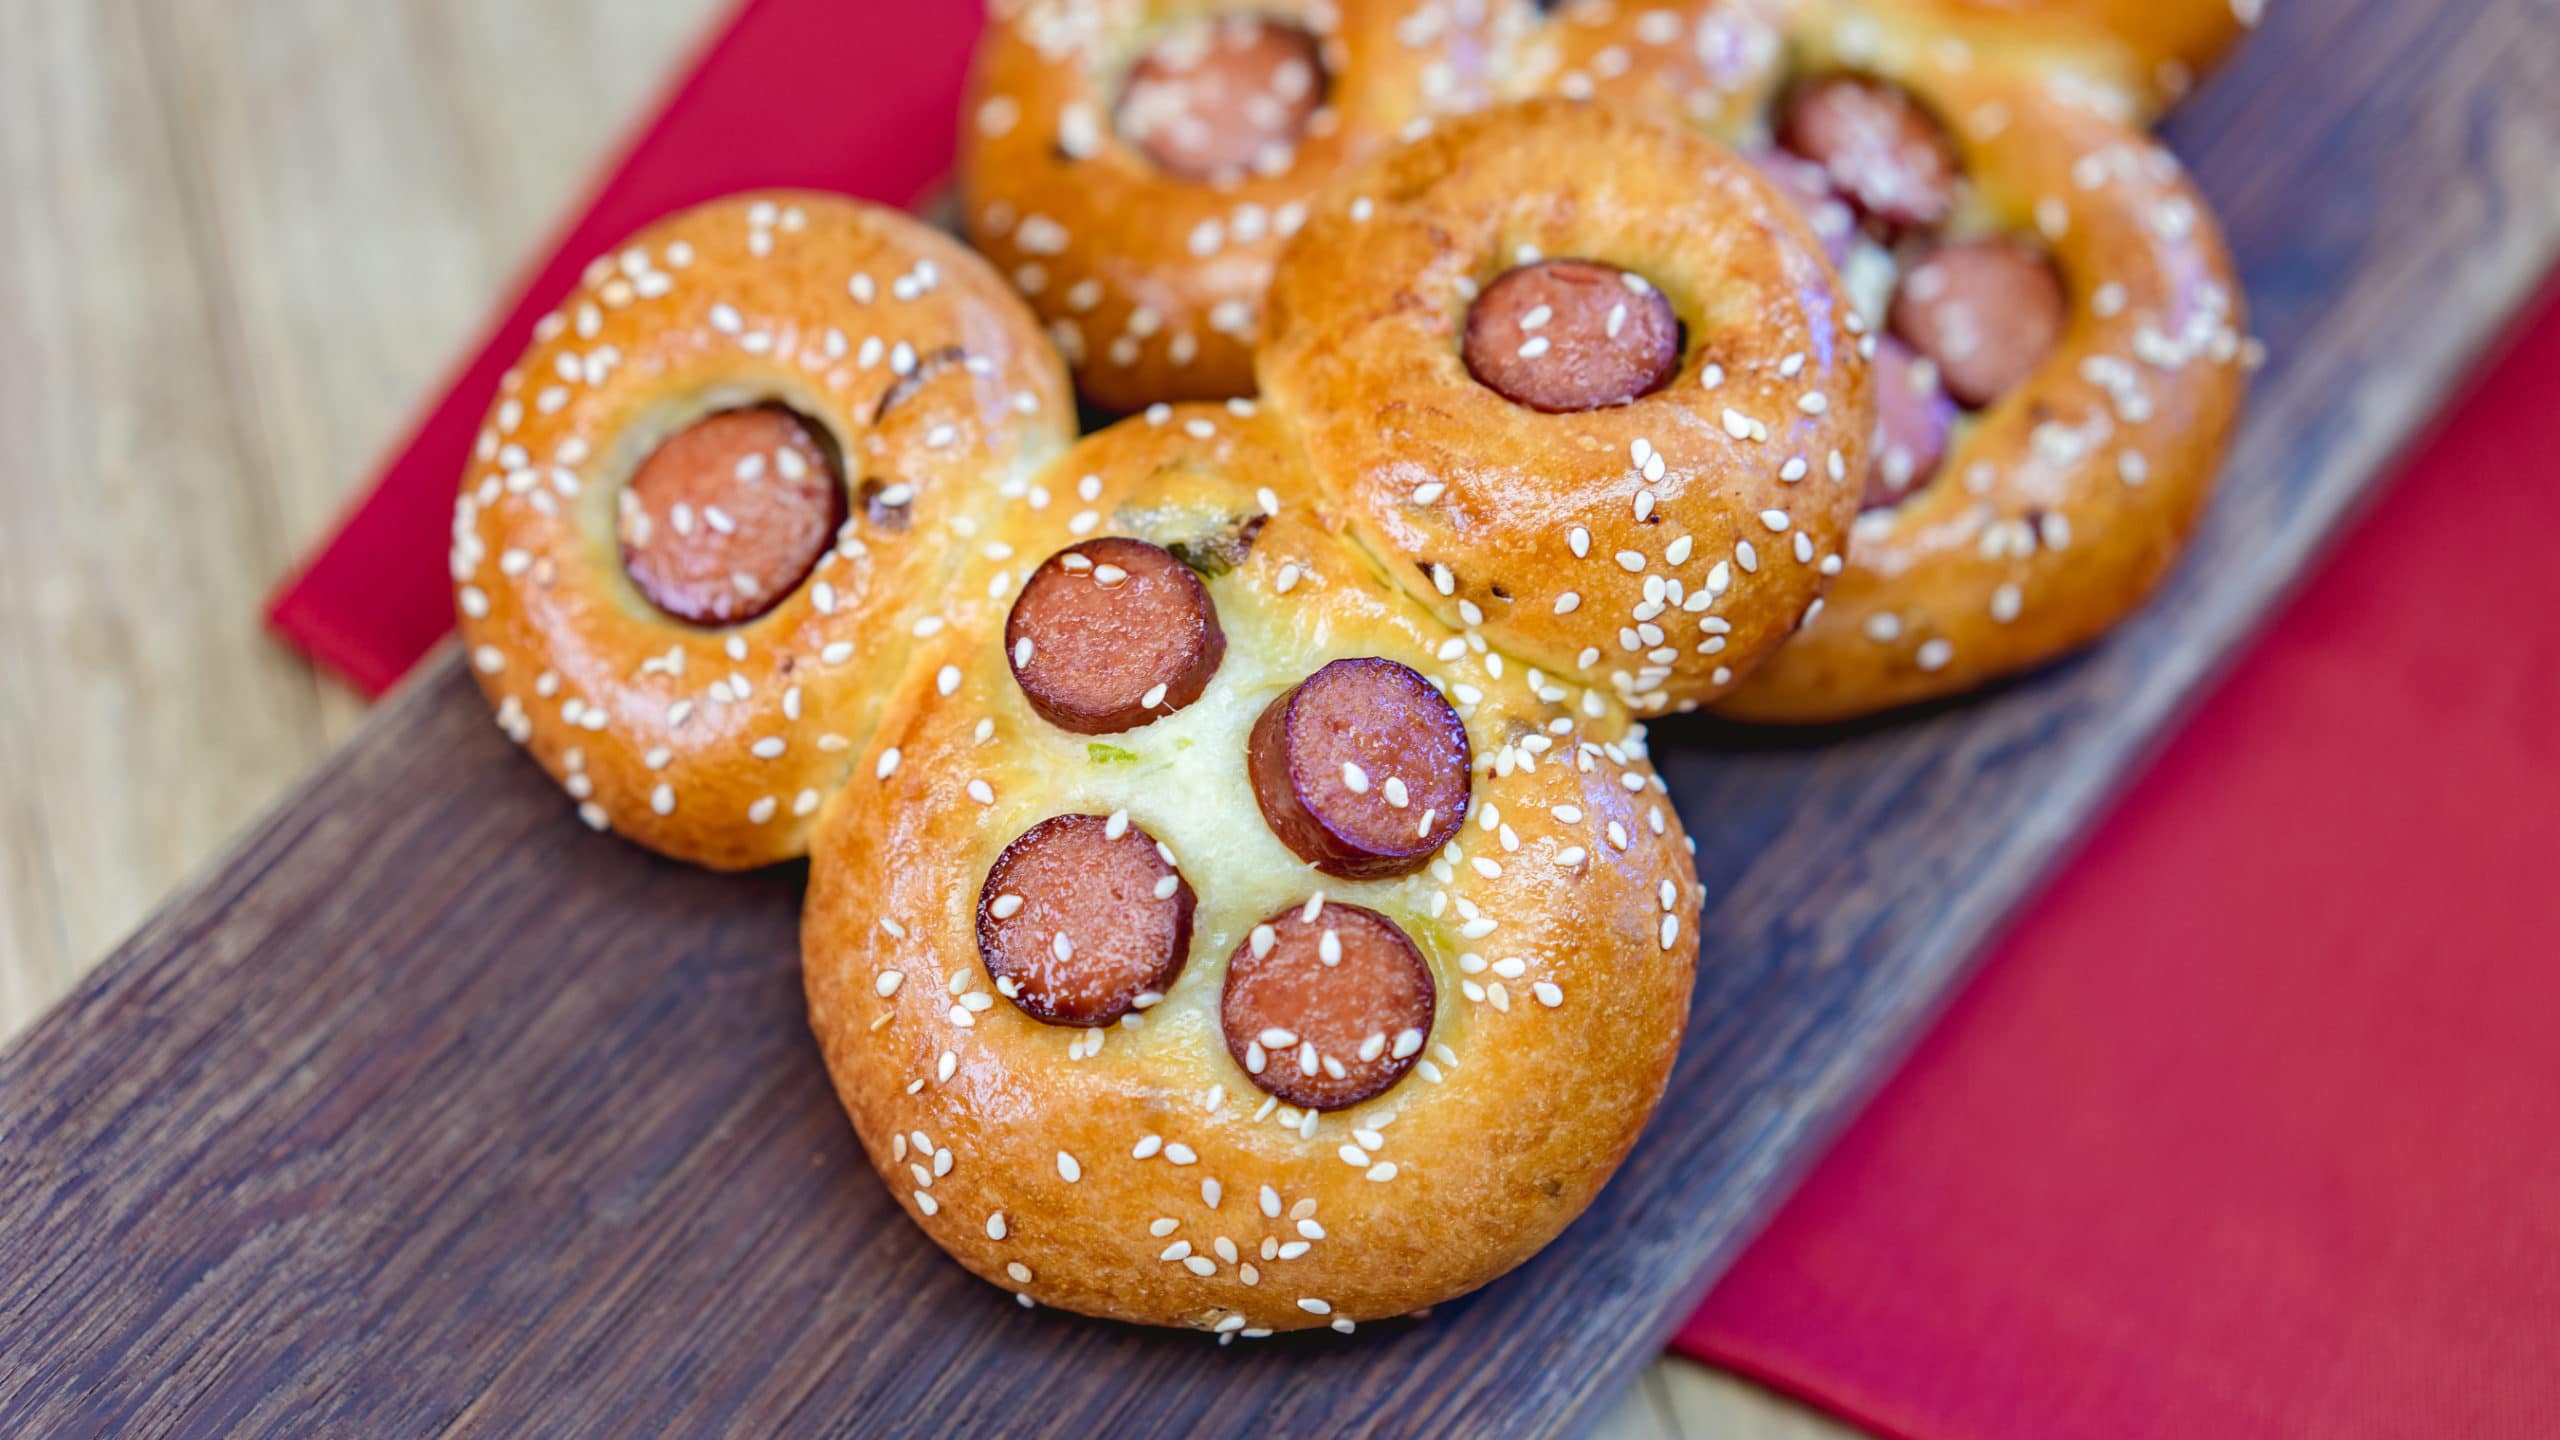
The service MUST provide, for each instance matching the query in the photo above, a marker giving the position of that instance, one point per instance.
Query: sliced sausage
(1327, 1010)
(723, 521)
(1569, 335)
(1913, 416)
(1890, 157)
(1809, 186)
(1113, 634)
(1363, 771)
(1084, 919)
(1988, 311)
(1215, 99)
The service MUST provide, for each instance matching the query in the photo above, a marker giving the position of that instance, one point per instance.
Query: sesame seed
(1068, 1169)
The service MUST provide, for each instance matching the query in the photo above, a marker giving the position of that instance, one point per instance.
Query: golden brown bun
(2150, 51)
(1153, 283)
(2061, 507)
(1558, 928)
(717, 745)
(1658, 548)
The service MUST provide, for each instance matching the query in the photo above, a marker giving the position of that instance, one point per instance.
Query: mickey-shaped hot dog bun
(1201, 876)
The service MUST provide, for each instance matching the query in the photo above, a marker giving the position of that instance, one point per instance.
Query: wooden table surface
(243, 241)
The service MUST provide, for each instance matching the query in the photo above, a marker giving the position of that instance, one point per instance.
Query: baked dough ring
(1138, 1172)
(1153, 282)
(717, 745)
(1659, 547)
(2061, 507)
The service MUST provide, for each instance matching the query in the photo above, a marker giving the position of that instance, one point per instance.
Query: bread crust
(2060, 508)
(716, 745)
(1563, 950)
(1660, 547)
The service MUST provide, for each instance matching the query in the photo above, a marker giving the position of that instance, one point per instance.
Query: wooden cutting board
(428, 1112)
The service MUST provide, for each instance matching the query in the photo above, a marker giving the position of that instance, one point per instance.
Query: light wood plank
(371, 178)
(245, 241)
(147, 718)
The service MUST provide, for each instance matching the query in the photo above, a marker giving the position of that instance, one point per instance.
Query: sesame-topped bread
(1584, 384)
(1136, 166)
(2061, 355)
(1218, 917)
(1217, 939)
(1241, 897)
(722, 494)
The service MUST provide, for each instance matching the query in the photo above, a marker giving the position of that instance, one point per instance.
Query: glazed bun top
(1583, 384)
(715, 503)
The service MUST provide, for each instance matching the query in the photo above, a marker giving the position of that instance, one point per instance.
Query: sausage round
(1327, 1009)
(1913, 416)
(1569, 335)
(726, 518)
(1364, 770)
(1880, 149)
(1807, 184)
(1988, 311)
(1215, 99)
(1113, 634)
(1084, 919)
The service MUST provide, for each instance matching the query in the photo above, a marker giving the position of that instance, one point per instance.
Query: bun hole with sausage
(2059, 354)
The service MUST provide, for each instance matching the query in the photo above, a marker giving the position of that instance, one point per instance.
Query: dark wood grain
(428, 1113)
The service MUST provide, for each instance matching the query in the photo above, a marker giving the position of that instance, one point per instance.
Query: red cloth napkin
(2252, 1127)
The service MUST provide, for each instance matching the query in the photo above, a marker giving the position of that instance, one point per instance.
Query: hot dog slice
(1328, 1010)
(723, 521)
(1570, 335)
(1113, 634)
(1217, 98)
(1988, 311)
(1363, 770)
(1913, 416)
(1084, 919)
(1810, 187)
(1880, 149)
